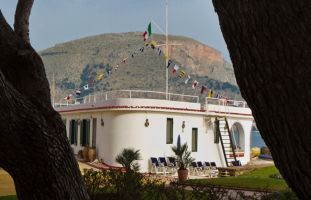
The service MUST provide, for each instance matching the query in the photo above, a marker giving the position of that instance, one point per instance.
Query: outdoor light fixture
(147, 123)
(183, 125)
(102, 123)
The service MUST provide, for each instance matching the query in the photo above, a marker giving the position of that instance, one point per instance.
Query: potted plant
(85, 153)
(183, 159)
(92, 154)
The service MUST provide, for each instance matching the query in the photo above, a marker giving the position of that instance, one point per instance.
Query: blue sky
(56, 21)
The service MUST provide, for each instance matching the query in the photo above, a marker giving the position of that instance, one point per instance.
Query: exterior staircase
(226, 141)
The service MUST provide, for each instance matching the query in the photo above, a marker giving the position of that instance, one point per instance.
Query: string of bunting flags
(149, 43)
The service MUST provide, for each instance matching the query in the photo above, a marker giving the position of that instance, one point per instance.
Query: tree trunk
(34, 148)
(270, 47)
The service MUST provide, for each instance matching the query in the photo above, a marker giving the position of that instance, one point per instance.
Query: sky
(57, 21)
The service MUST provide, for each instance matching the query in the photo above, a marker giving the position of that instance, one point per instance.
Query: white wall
(126, 129)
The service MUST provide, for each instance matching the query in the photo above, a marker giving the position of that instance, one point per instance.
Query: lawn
(257, 179)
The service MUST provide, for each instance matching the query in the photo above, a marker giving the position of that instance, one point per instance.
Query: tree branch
(22, 14)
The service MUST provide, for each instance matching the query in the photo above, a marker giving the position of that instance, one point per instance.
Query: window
(94, 132)
(73, 130)
(169, 131)
(194, 140)
(85, 132)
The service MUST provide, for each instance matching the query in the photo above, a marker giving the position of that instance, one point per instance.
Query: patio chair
(204, 169)
(163, 164)
(214, 169)
(172, 164)
(207, 165)
(213, 165)
(195, 168)
(155, 166)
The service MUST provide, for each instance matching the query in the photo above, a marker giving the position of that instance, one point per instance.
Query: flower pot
(182, 175)
(85, 153)
(92, 154)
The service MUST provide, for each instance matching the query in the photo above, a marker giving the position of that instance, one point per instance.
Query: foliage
(127, 159)
(265, 151)
(97, 181)
(182, 154)
(132, 185)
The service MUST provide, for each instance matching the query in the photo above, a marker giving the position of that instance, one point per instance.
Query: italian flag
(145, 35)
(149, 29)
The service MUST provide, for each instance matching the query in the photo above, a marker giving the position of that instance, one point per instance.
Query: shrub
(127, 159)
(265, 151)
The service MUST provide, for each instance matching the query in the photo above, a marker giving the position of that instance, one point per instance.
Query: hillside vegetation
(74, 63)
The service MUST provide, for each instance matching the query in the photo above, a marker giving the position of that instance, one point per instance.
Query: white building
(152, 121)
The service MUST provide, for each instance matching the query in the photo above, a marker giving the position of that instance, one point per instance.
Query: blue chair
(195, 168)
(154, 164)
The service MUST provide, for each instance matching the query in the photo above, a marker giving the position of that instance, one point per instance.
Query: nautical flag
(145, 35)
(78, 91)
(210, 94)
(159, 51)
(195, 84)
(100, 76)
(203, 89)
(153, 44)
(108, 70)
(90, 82)
(175, 69)
(218, 96)
(181, 74)
(116, 67)
(124, 60)
(68, 97)
(141, 49)
(187, 80)
(86, 87)
(169, 63)
(149, 30)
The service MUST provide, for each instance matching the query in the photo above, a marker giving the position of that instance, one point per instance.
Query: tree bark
(270, 47)
(34, 148)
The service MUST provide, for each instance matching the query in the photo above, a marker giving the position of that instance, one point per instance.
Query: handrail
(115, 94)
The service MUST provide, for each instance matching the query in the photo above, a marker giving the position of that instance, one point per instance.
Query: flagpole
(166, 56)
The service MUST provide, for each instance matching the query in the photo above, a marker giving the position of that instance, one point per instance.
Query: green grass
(258, 179)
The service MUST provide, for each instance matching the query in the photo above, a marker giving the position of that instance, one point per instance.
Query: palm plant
(127, 159)
(182, 154)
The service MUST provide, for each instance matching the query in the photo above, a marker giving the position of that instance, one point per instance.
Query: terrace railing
(225, 102)
(145, 94)
(130, 94)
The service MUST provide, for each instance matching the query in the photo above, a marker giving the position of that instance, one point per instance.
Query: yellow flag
(153, 44)
(100, 76)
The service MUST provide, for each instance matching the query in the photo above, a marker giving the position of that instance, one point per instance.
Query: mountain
(76, 62)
